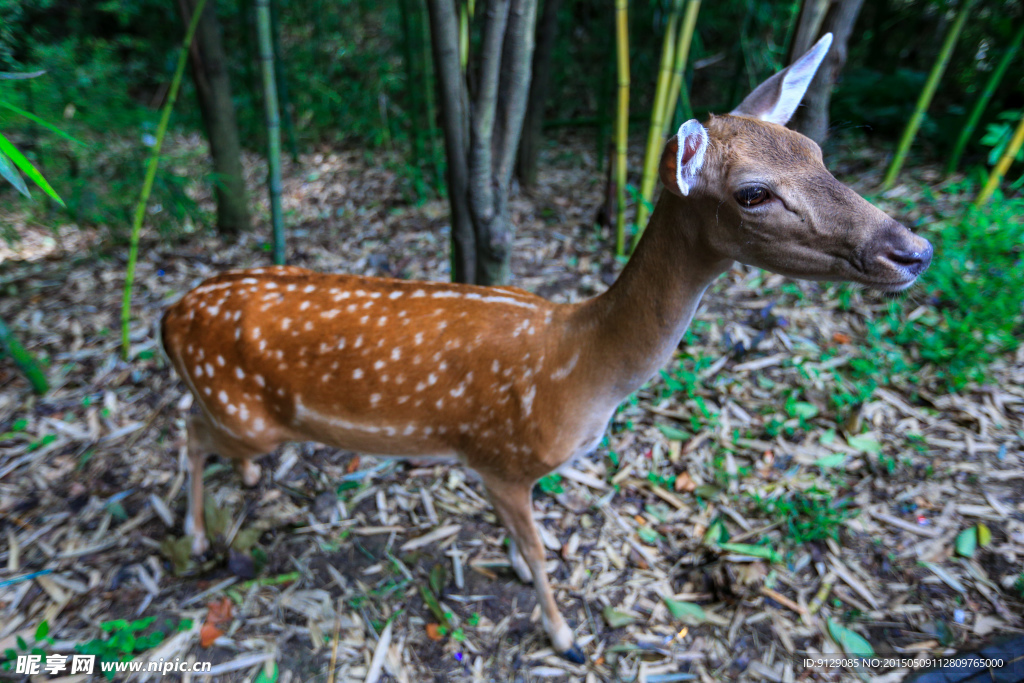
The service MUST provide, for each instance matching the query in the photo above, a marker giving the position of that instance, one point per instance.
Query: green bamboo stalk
(10, 346)
(926, 96)
(412, 84)
(147, 183)
(652, 154)
(678, 86)
(281, 78)
(273, 127)
(622, 121)
(428, 86)
(464, 17)
(1003, 165)
(983, 100)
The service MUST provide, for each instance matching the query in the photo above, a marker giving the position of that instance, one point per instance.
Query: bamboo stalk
(622, 121)
(982, 103)
(678, 88)
(281, 78)
(411, 83)
(463, 36)
(1003, 165)
(926, 96)
(654, 134)
(273, 127)
(147, 183)
(428, 86)
(10, 346)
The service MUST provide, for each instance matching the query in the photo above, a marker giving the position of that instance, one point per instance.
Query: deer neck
(629, 332)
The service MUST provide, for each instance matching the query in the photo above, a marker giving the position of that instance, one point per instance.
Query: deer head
(772, 202)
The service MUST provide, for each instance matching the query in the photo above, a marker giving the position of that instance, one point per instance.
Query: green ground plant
(974, 311)
(806, 516)
(128, 639)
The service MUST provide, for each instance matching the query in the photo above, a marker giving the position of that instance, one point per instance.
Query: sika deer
(511, 384)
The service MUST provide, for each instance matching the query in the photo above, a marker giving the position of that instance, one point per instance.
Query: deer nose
(915, 258)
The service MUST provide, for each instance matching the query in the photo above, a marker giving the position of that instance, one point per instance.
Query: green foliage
(806, 516)
(975, 314)
(551, 484)
(42, 636)
(997, 136)
(128, 639)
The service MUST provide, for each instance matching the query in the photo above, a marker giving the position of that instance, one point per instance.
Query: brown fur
(510, 383)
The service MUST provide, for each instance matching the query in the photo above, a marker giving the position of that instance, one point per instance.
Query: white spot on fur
(528, 397)
(357, 374)
(563, 372)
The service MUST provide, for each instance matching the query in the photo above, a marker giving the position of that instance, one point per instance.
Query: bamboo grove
(467, 98)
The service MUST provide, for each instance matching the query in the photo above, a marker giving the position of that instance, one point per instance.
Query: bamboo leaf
(28, 169)
(8, 171)
(830, 461)
(648, 535)
(967, 542)
(864, 444)
(45, 124)
(762, 551)
(617, 619)
(433, 605)
(852, 642)
(674, 433)
(688, 612)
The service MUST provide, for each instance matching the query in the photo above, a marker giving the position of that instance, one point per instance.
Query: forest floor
(746, 438)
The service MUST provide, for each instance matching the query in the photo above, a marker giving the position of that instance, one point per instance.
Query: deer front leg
(198, 450)
(513, 505)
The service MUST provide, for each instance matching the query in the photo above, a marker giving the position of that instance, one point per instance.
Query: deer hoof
(250, 472)
(574, 654)
(199, 544)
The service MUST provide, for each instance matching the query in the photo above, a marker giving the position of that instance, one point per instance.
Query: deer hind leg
(513, 505)
(205, 439)
(519, 564)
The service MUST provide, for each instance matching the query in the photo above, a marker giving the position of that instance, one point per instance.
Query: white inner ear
(796, 80)
(686, 173)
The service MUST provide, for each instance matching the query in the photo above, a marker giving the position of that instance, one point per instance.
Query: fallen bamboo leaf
(617, 619)
(852, 642)
(687, 612)
(967, 542)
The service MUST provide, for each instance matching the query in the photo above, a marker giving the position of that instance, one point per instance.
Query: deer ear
(776, 99)
(683, 158)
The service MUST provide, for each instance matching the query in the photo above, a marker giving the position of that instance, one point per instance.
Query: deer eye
(751, 196)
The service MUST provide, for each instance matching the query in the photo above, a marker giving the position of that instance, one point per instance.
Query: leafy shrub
(973, 290)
